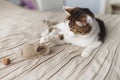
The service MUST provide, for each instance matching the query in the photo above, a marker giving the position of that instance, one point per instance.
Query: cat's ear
(67, 9)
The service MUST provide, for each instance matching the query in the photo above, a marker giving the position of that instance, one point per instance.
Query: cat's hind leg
(89, 50)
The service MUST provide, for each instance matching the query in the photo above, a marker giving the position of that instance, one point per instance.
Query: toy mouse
(30, 50)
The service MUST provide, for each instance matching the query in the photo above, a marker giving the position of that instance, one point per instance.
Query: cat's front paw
(86, 53)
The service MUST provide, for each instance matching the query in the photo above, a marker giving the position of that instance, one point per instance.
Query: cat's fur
(81, 28)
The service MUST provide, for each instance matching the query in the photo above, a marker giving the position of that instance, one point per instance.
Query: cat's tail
(102, 33)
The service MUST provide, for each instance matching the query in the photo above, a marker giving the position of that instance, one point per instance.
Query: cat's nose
(84, 24)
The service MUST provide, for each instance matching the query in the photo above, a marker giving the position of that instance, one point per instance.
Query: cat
(80, 28)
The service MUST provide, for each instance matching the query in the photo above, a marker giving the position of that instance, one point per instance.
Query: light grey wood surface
(19, 26)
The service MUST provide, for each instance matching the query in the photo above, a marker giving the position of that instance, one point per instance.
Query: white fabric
(19, 26)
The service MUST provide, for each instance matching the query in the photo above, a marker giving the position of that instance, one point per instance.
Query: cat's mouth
(81, 29)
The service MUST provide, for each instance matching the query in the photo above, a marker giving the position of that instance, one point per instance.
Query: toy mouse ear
(67, 9)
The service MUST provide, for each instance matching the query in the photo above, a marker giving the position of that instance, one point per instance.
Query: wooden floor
(19, 26)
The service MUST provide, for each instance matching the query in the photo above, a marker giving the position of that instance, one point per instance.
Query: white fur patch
(78, 23)
(89, 19)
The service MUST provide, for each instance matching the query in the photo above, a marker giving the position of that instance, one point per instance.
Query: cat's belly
(82, 42)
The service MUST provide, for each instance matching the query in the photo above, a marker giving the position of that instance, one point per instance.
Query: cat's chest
(80, 41)
(70, 37)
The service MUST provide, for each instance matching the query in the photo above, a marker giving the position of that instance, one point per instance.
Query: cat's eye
(82, 16)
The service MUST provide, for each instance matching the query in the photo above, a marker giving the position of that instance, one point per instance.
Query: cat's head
(79, 19)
